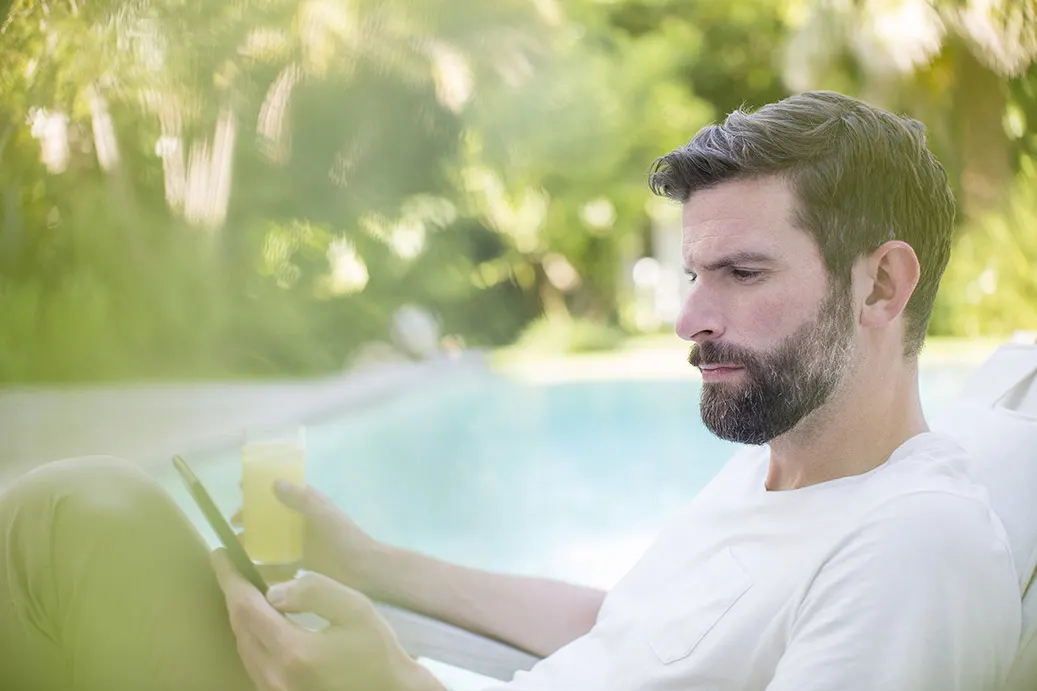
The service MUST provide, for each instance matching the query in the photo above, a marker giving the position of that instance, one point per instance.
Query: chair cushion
(1003, 447)
(995, 420)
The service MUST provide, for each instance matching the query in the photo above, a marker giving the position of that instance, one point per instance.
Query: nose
(699, 319)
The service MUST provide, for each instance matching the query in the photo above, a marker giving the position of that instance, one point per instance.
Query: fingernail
(277, 595)
(282, 485)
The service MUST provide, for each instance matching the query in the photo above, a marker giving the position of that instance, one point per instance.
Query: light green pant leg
(106, 586)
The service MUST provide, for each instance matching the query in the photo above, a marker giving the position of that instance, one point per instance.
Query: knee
(87, 487)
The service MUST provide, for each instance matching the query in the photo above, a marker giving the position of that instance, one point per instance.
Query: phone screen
(238, 556)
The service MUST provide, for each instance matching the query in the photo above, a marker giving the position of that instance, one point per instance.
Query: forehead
(755, 215)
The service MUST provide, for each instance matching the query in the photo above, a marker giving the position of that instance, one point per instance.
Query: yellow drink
(273, 532)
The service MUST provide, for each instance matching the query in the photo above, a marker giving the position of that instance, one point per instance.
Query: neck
(876, 411)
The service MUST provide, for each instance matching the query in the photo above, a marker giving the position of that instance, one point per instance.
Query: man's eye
(744, 276)
(691, 276)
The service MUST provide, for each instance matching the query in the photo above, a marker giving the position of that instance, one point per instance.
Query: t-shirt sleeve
(922, 596)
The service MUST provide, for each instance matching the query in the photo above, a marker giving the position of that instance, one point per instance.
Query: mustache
(713, 353)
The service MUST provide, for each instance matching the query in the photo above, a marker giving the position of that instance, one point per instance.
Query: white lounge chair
(995, 419)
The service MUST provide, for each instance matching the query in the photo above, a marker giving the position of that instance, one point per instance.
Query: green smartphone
(235, 550)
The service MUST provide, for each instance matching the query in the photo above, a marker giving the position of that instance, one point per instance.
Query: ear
(890, 275)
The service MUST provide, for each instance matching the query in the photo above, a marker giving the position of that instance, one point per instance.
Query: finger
(253, 655)
(251, 616)
(235, 593)
(254, 648)
(306, 500)
(336, 603)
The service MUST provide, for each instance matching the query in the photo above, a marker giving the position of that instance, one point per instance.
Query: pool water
(570, 480)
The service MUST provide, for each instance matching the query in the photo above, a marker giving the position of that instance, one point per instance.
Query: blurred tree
(968, 69)
(991, 284)
(251, 188)
(307, 239)
(946, 61)
(639, 78)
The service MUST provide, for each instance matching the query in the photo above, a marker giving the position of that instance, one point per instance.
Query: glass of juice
(273, 532)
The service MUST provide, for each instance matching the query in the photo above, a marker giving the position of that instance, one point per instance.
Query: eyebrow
(734, 260)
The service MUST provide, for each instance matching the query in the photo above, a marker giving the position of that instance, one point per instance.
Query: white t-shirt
(899, 579)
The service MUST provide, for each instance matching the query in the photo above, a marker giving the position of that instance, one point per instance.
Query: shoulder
(934, 548)
(948, 522)
(923, 527)
(927, 503)
(920, 593)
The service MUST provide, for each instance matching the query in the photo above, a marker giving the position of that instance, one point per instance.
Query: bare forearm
(534, 614)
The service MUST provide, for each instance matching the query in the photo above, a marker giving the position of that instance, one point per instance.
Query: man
(843, 550)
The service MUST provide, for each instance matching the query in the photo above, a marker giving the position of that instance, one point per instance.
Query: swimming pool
(569, 480)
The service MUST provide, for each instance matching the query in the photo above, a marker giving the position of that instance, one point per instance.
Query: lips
(716, 373)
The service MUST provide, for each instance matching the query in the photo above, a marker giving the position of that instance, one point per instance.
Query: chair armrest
(423, 636)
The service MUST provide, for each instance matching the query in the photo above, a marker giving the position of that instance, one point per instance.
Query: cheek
(767, 316)
(764, 320)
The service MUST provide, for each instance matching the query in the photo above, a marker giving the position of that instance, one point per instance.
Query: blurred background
(214, 214)
(252, 189)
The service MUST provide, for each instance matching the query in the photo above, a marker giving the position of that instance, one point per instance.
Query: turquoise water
(570, 480)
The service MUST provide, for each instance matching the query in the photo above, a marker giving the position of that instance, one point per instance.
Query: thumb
(334, 602)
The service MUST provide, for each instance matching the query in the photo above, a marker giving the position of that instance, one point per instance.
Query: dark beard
(781, 387)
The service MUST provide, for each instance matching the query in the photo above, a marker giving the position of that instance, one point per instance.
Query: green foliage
(484, 160)
(990, 287)
(107, 305)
